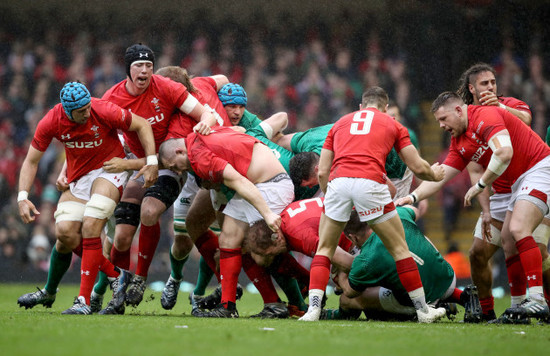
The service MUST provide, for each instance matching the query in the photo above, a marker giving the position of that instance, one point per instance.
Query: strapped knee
(100, 207)
(69, 211)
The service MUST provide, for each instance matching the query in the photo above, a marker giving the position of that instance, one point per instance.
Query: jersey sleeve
(205, 163)
(454, 159)
(517, 104)
(113, 115)
(406, 213)
(177, 92)
(403, 138)
(329, 141)
(489, 122)
(45, 132)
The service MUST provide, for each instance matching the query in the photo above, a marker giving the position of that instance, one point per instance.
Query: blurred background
(312, 59)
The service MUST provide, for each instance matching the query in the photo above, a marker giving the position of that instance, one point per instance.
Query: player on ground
(88, 128)
(373, 284)
(354, 154)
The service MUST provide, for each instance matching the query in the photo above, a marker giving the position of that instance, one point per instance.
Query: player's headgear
(232, 94)
(138, 53)
(74, 95)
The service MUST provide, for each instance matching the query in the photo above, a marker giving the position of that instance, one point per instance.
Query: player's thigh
(392, 234)
(233, 232)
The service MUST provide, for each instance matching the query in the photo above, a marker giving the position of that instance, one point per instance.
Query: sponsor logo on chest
(83, 144)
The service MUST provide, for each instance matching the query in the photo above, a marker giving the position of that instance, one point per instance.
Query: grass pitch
(150, 330)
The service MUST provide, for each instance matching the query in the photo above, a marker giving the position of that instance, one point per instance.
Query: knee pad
(546, 264)
(100, 207)
(166, 189)
(127, 213)
(69, 211)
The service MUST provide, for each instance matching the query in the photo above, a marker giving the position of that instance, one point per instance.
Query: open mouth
(141, 80)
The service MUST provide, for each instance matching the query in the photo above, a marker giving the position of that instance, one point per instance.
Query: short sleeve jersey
(157, 104)
(514, 103)
(88, 145)
(249, 120)
(361, 141)
(374, 266)
(311, 140)
(210, 154)
(300, 226)
(182, 125)
(483, 123)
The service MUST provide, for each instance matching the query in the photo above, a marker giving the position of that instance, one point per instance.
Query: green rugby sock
(204, 277)
(177, 266)
(101, 286)
(292, 291)
(59, 264)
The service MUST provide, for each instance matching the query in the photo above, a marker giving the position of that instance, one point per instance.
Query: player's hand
(486, 226)
(406, 200)
(473, 192)
(115, 165)
(61, 183)
(439, 172)
(26, 211)
(149, 173)
(202, 128)
(273, 221)
(488, 98)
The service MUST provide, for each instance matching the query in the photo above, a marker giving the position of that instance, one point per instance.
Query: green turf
(149, 330)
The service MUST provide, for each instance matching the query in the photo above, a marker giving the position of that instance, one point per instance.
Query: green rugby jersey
(374, 266)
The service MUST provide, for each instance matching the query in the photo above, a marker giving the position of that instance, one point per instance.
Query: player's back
(361, 141)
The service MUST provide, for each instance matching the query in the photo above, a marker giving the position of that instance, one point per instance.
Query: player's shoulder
(117, 89)
(514, 103)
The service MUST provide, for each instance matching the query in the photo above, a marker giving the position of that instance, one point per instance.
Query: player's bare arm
(61, 182)
(251, 194)
(426, 189)
(145, 134)
(419, 166)
(325, 163)
(27, 210)
(501, 145)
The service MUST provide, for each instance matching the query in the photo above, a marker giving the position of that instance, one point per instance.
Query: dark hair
(354, 225)
(445, 97)
(302, 166)
(468, 77)
(259, 236)
(178, 74)
(375, 96)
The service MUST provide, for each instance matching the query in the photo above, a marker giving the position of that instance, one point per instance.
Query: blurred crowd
(316, 81)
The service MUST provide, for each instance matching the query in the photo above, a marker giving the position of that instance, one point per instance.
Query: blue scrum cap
(232, 94)
(74, 95)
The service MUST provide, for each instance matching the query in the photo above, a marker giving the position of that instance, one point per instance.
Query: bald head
(168, 151)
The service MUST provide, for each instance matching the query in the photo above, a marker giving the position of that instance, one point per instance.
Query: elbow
(505, 154)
